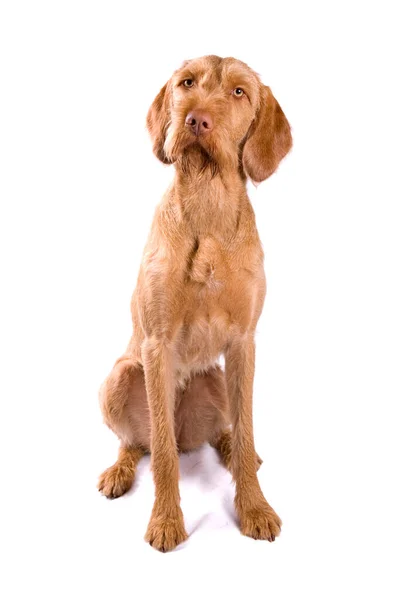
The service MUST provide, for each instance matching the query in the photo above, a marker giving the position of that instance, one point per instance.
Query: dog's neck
(209, 197)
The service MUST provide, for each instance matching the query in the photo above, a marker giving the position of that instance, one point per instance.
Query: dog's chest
(207, 266)
(221, 300)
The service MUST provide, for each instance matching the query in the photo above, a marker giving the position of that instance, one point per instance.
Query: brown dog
(199, 295)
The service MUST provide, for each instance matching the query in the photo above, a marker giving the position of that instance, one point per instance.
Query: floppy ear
(158, 120)
(269, 139)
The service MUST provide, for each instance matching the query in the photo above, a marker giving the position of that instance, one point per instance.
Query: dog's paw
(260, 523)
(165, 533)
(115, 481)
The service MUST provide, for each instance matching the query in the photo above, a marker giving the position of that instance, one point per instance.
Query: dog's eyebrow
(242, 80)
(239, 77)
(184, 73)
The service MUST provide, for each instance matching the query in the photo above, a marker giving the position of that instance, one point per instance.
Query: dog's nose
(199, 121)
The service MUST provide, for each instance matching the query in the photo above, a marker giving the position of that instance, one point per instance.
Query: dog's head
(219, 108)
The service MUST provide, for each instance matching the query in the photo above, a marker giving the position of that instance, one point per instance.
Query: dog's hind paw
(115, 481)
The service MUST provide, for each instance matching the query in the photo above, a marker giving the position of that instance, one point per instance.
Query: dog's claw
(260, 523)
(165, 533)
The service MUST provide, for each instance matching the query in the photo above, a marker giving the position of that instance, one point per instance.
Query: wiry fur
(199, 295)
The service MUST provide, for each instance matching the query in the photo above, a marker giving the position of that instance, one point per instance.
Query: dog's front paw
(260, 523)
(165, 533)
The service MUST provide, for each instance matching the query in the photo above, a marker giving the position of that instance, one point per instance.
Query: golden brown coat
(199, 295)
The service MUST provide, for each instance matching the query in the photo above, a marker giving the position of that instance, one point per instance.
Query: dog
(199, 295)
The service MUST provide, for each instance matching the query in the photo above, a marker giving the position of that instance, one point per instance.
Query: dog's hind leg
(118, 479)
(124, 406)
(123, 402)
(118, 388)
(223, 445)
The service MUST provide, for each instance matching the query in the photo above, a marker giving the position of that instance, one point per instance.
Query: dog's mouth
(182, 140)
(200, 152)
(202, 145)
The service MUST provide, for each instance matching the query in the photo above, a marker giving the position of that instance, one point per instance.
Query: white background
(79, 186)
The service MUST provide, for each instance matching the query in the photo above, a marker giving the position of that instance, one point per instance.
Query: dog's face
(218, 108)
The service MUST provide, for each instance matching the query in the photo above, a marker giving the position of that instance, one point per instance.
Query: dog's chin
(197, 158)
(192, 153)
(200, 147)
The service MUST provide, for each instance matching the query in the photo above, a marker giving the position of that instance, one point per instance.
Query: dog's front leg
(257, 518)
(166, 528)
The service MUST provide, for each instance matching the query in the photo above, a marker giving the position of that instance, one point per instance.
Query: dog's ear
(268, 141)
(158, 120)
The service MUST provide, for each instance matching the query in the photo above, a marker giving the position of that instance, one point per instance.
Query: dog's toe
(115, 481)
(260, 523)
(165, 534)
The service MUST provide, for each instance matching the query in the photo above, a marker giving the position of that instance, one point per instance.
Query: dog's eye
(238, 92)
(188, 83)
